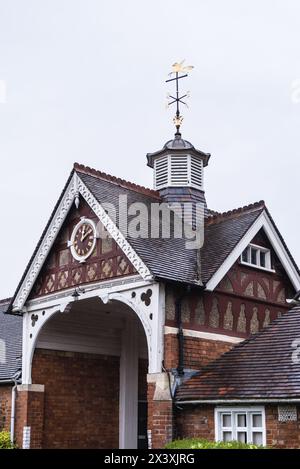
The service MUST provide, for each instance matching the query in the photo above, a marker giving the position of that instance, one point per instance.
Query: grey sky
(85, 82)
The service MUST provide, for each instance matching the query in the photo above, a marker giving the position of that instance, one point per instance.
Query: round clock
(83, 239)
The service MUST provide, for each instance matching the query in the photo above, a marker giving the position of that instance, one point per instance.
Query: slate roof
(10, 342)
(168, 259)
(222, 233)
(165, 258)
(261, 367)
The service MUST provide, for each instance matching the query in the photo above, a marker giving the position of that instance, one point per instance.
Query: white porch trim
(128, 395)
(152, 316)
(263, 221)
(204, 335)
(90, 290)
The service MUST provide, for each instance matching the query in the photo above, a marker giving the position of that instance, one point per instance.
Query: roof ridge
(219, 216)
(5, 300)
(115, 180)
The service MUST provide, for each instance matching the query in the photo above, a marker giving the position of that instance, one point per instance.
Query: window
(244, 424)
(257, 256)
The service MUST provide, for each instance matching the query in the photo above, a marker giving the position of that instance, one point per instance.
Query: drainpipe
(14, 381)
(178, 307)
(13, 411)
(180, 336)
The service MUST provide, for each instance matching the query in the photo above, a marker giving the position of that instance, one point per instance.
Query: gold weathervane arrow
(177, 69)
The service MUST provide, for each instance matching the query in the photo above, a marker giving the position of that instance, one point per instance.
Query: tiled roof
(223, 231)
(80, 168)
(165, 258)
(10, 342)
(261, 367)
(168, 258)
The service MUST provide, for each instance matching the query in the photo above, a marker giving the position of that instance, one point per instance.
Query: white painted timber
(88, 332)
(128, 402)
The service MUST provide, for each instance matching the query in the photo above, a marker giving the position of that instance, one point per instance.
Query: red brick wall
(29, 412)
(81, 399)
(21, 417)
(5, 407)
(282, 434)
(160, 420)
(197, 352)
(195, 421)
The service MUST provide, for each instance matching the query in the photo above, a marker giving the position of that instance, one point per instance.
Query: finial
(177, 68)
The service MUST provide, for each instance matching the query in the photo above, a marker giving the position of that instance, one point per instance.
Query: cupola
(178, 164)
(178, 168)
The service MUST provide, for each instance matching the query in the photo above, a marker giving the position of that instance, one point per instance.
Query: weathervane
(177, 68)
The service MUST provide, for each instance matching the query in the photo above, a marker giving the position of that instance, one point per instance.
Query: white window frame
(259, 249)
(234, 429)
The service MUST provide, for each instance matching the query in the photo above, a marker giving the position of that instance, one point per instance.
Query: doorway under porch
(93, 362)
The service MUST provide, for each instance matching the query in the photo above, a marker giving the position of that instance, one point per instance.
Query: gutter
(6, 381)
(239, 401)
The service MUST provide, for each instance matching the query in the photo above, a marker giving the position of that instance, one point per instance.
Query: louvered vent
(179, 173)
(196, 172)
(161, 172)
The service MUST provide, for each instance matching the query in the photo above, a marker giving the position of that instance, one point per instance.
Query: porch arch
(148, 302)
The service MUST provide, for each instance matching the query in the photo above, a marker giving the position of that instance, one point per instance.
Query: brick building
(121, 338)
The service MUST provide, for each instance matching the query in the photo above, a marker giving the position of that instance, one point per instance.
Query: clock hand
(82, 234)
(86, 234)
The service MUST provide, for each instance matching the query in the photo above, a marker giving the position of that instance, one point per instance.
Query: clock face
(83, 240)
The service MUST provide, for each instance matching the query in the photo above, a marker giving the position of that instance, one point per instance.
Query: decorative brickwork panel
(267, 319)
(228, 318)
(62, 271)
(222, 313)
(214, 315)
(254, 324)
(200, 313)
(242, 321)
(246, 300)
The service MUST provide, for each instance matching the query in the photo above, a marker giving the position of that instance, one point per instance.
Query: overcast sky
(83, 80)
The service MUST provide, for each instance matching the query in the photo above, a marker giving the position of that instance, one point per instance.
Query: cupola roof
(176, 146)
